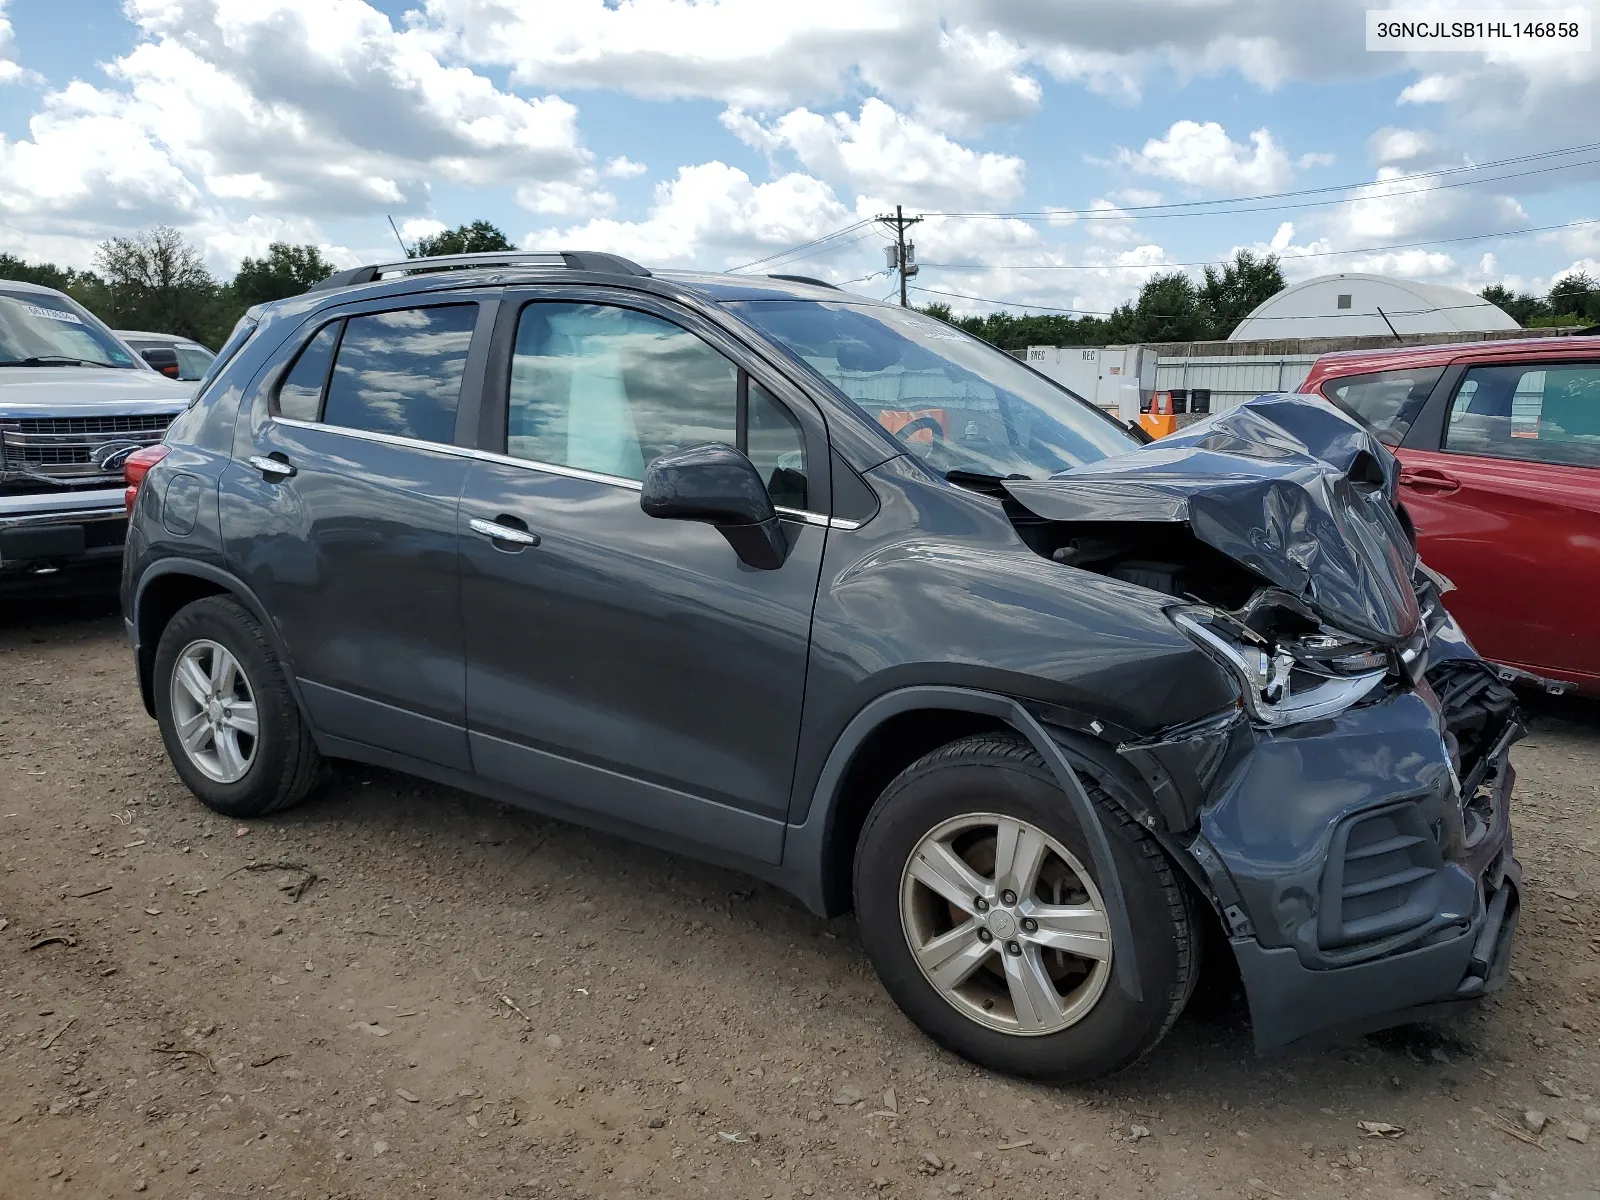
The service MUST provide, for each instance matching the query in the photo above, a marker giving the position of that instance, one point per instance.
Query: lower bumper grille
(1384, 877)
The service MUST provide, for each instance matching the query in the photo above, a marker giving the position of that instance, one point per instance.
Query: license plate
(41, 542)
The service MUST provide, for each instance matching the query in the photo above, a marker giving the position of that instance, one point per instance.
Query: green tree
(1229, 295)
(44, 274)
(1168, 310)
(1577, 294)
(1521, 307)
(476, 238)
(156, 280)
(283, 271)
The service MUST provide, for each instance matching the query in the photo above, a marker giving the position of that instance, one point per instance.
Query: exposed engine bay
(1278, 526)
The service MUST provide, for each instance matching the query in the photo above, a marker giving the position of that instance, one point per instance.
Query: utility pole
(901, 256)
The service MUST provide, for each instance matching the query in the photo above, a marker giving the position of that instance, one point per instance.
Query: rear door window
(1387, 400)
(400, 372)
(1539, 412)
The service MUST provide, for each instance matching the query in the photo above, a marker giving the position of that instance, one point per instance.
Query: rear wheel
(980, 908)
(227, 718)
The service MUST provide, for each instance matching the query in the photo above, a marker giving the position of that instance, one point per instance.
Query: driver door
(620, 664)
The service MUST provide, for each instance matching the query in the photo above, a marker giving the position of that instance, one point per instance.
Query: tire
(958, 791)
(266, 772)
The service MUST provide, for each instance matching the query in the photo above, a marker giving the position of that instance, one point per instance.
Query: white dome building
(1357, 305)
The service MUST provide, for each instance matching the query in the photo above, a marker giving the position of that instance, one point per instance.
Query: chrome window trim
(822, 520)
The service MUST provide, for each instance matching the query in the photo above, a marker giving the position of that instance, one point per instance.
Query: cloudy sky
(717, 133)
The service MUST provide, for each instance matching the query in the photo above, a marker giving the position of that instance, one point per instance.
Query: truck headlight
(1285, 681)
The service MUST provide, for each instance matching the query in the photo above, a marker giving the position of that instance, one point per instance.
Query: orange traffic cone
(1160, 420)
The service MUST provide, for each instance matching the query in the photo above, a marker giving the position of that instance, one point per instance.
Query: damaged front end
(1350, 814)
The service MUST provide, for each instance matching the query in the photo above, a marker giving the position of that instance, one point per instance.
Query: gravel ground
(401, 990)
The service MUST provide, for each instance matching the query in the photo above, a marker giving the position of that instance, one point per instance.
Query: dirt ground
(454, 999)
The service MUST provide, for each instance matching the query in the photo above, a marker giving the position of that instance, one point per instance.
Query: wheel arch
(165, 589)
(818, 853)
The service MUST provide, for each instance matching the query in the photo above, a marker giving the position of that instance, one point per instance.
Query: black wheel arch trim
(805, 846)
(144, 656)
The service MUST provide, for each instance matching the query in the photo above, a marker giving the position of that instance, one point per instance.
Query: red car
(1499, 447)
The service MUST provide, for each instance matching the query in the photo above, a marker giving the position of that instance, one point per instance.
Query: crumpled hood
(1284, 484)
(89, 391)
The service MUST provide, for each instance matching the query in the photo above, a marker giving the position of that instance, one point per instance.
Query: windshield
(955, 402)
(40, 329)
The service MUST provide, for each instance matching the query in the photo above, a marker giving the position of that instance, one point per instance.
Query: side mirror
(716, 484)
(163, 359)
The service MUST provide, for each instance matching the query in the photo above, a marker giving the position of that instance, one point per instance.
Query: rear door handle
(272, 468)
(497, 532)
(1429, 480)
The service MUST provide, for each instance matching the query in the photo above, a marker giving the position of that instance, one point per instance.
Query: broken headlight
(1286, 679)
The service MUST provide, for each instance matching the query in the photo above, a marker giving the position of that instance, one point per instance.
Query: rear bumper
(61, 545)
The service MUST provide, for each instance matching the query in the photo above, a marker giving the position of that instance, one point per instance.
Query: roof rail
(807, 279)
(572, 260)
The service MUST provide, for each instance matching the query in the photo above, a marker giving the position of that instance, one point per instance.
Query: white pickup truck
(74, 403)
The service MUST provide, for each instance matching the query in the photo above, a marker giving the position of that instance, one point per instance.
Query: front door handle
(497, 532)
(1428, 479)
(273, 468)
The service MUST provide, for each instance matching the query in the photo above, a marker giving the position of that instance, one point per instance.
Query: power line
(826, 243)
(803, 245)
(1218, 262)
(831, 248)
(1122, 214)
(1090, 312)
(1182, 208)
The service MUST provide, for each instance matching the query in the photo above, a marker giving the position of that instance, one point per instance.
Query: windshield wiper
(50, 360)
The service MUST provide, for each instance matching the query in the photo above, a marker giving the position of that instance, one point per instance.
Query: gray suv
(830, 592)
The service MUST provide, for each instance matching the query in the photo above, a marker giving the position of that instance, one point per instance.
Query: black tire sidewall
(230, 626)
(1119, 1029)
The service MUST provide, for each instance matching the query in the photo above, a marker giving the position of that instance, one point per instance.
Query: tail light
(136, 468)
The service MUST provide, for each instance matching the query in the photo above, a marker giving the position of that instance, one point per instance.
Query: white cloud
(294, 108)
(886, 153)
(622, 167)
(711, 214)
(753, 53)
(10, 68)
(86, 159)
(1394, 209)
(1433, 89)
(565, 198)
(1390, 145)
(1203, 156)
(322, 104)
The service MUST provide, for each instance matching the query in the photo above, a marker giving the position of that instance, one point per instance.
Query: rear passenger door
(628, 666)
(1503, 483)
(340, 513)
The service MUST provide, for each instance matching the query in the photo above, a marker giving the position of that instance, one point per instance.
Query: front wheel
(979, 906)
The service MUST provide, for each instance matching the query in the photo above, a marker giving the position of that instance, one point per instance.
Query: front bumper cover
(1366, 874)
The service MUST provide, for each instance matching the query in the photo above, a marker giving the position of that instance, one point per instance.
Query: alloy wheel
(1006, 924)
(214, 711)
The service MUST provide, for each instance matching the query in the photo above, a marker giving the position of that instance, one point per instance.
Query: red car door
(1509, 508)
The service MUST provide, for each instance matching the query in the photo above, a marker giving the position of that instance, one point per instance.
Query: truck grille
(73, 451)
